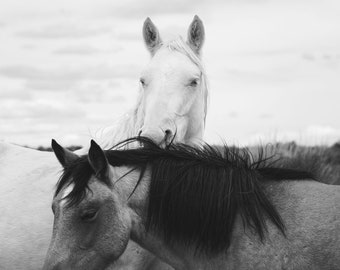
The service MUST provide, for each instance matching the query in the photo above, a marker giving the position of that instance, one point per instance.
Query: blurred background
(70, 67)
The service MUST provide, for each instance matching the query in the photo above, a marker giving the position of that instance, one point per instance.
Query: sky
(70, 67)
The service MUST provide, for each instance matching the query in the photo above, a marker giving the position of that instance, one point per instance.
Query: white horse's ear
(151, 36)
(64, 156)
(98, 161)
(196, 35)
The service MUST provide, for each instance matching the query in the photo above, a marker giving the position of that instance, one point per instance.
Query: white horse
(195, 208)
(172, 105)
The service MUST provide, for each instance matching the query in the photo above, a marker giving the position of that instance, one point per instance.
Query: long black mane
(195, 193)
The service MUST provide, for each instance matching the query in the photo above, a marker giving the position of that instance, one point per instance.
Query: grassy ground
(322, 161)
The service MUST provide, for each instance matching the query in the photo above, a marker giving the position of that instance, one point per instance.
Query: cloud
(15, 94)
(29, 47)
(265, 115)
(233, 114)
(37, 128)
(103, 92)
(85, 50)
(42, 79)
(50, 84)
(40, 110)
(64, 78)
(152, 8)
(27, 72)
(81, 49)
(98, 72)
(129, 36)
(63, 31)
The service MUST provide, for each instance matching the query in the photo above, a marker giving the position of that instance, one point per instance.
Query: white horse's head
(173, 100)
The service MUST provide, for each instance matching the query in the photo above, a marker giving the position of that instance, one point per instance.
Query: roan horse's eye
(89, 216)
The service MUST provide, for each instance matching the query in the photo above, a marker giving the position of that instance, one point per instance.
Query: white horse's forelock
(129, 124)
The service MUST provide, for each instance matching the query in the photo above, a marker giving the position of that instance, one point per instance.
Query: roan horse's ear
(196, 35)
(64, 156)
(98, 161)
(151, 36)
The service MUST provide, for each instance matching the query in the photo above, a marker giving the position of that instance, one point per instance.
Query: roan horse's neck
(137, 205)
(178, 256)
(246, 250)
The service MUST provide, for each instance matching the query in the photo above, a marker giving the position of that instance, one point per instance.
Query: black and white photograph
(170, 135)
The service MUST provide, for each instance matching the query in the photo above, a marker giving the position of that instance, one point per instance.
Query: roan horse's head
(173, 85)
(93, 232)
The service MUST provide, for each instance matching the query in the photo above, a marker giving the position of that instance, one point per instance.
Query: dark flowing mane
(195, 193)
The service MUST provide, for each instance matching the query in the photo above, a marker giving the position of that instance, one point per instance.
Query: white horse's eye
(193, 83)
(142, 81)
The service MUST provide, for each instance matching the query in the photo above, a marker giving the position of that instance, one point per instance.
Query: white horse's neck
(126, 126)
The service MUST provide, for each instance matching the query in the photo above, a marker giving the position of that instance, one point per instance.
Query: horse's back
(27, 179)
(310, 201)
(315, 218)
(311, 213)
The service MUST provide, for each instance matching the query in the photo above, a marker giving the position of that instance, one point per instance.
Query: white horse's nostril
(139, 133)
(168, 138)
(168, 133)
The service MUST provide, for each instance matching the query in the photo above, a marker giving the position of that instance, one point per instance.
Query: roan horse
(27, 177)
(193, 208)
